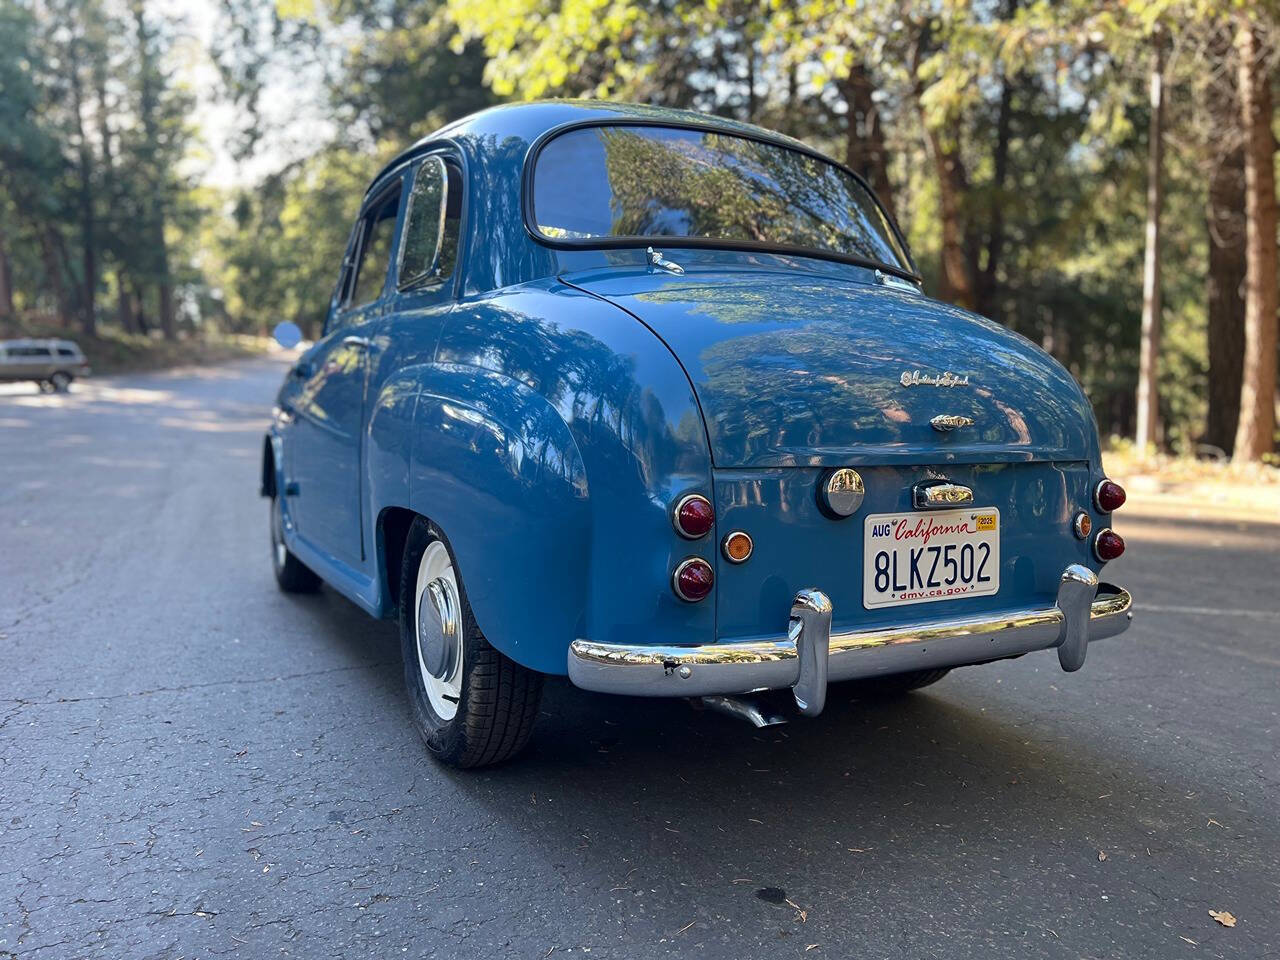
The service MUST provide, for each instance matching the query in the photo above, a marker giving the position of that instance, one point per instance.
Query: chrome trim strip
(792, 660)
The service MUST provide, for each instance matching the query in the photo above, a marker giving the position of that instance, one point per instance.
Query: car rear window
(616, 184)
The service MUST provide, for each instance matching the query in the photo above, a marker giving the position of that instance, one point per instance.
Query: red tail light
(1108, 545)
(693, 516)
(693, 579)
(1108, 496)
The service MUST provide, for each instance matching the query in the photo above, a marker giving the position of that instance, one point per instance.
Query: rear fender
(553, 436)
(496, 467)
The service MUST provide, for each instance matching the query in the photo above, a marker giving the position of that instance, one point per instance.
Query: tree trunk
(956, 282)
(167, 323)
(139, 311)
(988, 280)
(864, 148)
(1225, 281)
(6, 278)
(1148, 425)
(124, 305)
(88, 238)
(49, 245)
(988, 284)
(792, 121)
(1255, 434)
(148, 106)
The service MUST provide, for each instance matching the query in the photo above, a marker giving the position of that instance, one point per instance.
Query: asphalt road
(195, 765)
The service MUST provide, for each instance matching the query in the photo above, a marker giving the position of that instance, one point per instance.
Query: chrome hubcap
(278, 551)
(438, 640)
(437, 619)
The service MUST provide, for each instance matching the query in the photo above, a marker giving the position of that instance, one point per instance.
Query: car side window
(429, 247)
(375, 250)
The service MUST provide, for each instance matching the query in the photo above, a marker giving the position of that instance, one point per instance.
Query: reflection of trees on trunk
(821, 371)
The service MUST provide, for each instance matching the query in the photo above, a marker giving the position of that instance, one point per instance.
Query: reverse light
(1108, 496)
(693, 579)
(1107, 545)
(693, 516)
(841, 493)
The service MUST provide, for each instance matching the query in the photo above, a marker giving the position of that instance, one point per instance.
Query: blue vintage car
(654, 400)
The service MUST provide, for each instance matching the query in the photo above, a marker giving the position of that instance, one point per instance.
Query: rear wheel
(472, 705)
(894, 685)
(61, 381)
(292, 575)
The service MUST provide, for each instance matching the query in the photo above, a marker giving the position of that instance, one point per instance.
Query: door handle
(364, 343)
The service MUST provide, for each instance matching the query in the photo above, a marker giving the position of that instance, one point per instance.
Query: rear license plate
(922, 557)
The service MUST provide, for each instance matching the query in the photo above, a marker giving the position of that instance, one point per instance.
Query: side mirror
(287, 334)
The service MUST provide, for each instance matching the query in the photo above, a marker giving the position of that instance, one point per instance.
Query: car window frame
(617, 243)
(448, 289)
(395, 186)
(423, 280)
(344, 313)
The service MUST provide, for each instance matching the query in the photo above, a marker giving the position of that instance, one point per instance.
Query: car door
(330, 408)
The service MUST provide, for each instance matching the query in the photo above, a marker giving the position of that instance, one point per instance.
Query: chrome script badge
(914, 378)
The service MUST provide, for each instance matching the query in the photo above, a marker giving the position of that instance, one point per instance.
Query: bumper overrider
(809, 655)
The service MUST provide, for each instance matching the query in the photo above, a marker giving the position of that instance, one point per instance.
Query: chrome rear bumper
(808, 655)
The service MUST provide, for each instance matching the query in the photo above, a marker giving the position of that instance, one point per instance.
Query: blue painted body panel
(547, 407)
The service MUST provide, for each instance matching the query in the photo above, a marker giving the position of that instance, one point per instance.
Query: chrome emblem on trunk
(914, 378)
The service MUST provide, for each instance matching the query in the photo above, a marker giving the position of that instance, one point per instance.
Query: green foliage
(283, 239)
(1020, 123)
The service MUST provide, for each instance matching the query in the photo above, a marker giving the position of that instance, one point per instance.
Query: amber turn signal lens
(693, 516)
(1108, 496)
(1083, 525)
(693, 579)
(737, 547)
(1108, 545)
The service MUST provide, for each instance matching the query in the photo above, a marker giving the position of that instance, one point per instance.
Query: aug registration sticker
(922, 557)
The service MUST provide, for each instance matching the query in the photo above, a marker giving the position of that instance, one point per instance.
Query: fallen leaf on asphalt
(1214, 823)
(1189, 940)
(1102, 854)
(685, 927)
(1224, 917)
(802, 914)
(810, 947)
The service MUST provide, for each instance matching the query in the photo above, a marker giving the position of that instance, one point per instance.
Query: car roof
(38, 342)
(530, 121)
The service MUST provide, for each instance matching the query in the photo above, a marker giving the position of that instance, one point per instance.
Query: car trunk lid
(800, 369)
